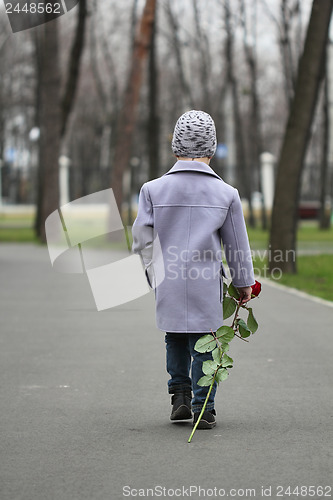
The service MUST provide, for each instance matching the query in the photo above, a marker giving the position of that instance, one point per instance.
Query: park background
(89, 101)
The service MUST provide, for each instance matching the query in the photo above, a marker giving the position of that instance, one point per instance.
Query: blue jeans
(179, 351)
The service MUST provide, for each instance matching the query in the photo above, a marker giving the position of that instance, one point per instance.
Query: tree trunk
(324, 216)
(284, 216)
(73, 66)
(38, 42)
(153, 119)
(49, 124)
(53, 108)
(128, 112)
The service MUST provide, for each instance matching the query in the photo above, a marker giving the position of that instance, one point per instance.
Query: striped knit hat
(194, 135)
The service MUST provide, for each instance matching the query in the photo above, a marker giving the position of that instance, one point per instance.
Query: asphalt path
(84, 408)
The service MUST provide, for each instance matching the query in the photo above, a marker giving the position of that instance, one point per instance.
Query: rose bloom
(256, 289)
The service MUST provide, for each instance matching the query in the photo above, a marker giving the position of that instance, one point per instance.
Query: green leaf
(222, 374)
(206, 343)
(229, 307)
(251, 321)
(209, 366)
(227, 362)
(216, 355)
(204, 381)
(225, 334)
(233, 292)
(225, 288)
(225, 347)
(244, 330)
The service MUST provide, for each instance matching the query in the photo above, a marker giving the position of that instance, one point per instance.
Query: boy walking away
(190, 210)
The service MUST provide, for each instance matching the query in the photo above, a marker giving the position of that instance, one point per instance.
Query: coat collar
(192, 166)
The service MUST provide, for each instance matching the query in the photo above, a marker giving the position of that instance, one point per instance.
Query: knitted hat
(194, 135)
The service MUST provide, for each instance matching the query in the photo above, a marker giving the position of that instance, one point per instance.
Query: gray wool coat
(182, 219)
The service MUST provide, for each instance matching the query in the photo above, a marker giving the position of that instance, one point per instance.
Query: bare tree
(255, 132)
(134, 20)
(284, 216)
(37, 36)
(153, 116)
(3, 41)
(286, 50)
(108, 90)
(54, 109)
(202, 45)
(102, 94)
(243, 175)
(290, 14)
(187, 95)
(73, 68)
(49, 124)
(127, 116)
(324, 217)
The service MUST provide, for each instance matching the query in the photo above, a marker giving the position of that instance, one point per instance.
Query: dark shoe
(181, 406)
(207, 420)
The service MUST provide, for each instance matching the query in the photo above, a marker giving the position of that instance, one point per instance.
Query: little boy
(189, 211)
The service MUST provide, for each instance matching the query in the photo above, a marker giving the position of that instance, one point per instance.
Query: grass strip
(315, 275)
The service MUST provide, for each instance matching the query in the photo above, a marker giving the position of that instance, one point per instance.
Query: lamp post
(267, 161)
(64, 164)
(34, 135)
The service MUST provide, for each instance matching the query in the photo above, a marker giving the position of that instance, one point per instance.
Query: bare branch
(187, 94)
(101, 92)
(73, 66)
(271, 16)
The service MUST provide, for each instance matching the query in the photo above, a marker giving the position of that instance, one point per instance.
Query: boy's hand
(245, 294)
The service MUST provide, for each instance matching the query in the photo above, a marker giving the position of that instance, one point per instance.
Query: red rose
(256, 289)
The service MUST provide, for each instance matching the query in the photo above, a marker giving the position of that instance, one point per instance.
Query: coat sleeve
(236, 245)
(143, 231)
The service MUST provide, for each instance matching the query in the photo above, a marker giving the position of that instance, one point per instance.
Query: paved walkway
(84, 409)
